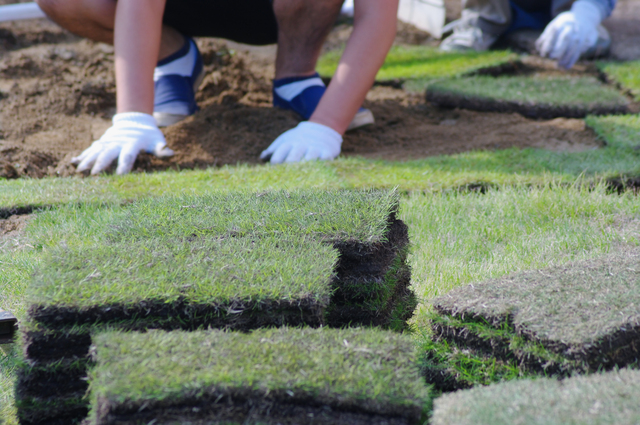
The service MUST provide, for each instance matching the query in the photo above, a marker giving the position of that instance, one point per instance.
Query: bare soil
(57, 95)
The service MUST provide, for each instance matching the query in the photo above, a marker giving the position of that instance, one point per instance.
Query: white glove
(307, 141)
(130, 133)
(571, 33)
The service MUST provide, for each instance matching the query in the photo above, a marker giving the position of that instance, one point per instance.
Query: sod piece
(285, 375)
(239, 283)
(607, 398)
(583, 315)
(537, 97)
(335, 216)
(626, 74)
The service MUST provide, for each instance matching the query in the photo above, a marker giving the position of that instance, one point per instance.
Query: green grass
(555, 91)
(356, 369)
(53, 191)
(335, 216)
(200, 272)
(600, 399)
(627, 74)
(423, 64)
(461, 238)
(471, 363)
(465, 367)
(9, 362)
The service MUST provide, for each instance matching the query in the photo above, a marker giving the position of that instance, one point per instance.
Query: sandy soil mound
(57, 94)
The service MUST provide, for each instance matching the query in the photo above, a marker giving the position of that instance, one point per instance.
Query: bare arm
(372, 37)
(137, 35)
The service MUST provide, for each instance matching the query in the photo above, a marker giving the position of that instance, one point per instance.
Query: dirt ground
(57, 94)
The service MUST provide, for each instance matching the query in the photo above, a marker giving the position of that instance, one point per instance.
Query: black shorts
(244, 21)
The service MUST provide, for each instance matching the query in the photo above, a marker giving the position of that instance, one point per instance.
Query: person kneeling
(159, 68)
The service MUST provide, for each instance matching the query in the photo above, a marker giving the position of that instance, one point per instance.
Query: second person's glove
(571, 34)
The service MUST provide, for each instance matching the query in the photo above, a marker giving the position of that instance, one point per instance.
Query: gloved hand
(571, 33)
(307, 141)
(131, 133)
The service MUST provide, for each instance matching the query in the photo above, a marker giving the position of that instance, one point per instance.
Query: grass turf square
(579, 317)
(599, 399)
(355, 376)
(537, 97)
(227, 260)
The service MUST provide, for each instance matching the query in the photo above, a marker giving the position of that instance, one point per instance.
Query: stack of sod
(607, 398)
(270, 376)
(537, 97)
(581, 317)
(233, 261)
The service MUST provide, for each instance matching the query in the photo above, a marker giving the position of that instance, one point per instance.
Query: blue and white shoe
(302, 95)
(177, 79)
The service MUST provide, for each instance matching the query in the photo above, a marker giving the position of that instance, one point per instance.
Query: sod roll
(350, 376)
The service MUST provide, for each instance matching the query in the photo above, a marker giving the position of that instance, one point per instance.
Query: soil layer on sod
(536, 97)
(580, 317)
(350, 376)
(607, 398)
(233, 261)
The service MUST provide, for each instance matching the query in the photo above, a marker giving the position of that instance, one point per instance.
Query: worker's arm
(374, 29)
(137, 35)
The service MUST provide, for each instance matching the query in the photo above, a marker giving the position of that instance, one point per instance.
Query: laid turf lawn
(369, 375)
(539, 97)
(626, 74)
(421, 64)
(609, 398)
(500, 167)
(585, 312)
(404, 62)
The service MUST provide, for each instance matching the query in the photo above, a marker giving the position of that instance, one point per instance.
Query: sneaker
(467, 37)
(302, 95)
(177, 79)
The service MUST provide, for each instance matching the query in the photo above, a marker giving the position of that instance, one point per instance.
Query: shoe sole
(362, 118)
(165, 119)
